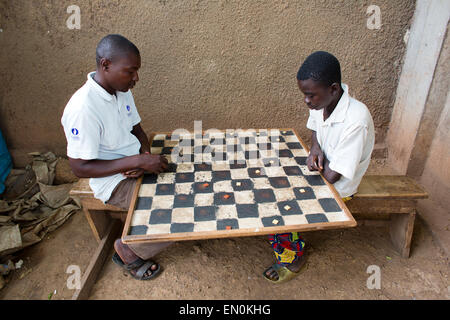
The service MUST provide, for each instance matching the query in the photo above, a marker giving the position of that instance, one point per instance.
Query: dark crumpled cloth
(32, 206)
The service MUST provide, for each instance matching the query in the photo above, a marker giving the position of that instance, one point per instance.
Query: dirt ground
(337, 268)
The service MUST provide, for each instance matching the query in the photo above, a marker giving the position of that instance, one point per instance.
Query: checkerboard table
(232, 183)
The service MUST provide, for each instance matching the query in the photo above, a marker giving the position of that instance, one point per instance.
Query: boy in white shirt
(343, 137)
(105, 141)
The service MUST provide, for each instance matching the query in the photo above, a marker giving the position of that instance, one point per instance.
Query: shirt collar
(338, 114)
(98, 88)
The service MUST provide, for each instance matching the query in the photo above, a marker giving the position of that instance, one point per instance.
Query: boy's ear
(335, 88)
(104, 63)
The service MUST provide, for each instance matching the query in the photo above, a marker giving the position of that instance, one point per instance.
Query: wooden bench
(390, 198)
(106, 223)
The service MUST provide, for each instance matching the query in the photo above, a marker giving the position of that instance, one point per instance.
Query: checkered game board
(232, 183)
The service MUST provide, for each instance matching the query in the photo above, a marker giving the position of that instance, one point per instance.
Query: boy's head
(319, 78)
(118, 60)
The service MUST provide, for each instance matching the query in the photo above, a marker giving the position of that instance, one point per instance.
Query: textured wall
(231, 64)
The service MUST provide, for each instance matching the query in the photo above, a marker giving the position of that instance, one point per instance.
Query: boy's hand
(315, 159)
(153, 163)
(136, 173)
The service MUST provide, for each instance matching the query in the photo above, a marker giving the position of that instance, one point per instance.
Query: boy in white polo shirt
(343, 137)
(105, 141)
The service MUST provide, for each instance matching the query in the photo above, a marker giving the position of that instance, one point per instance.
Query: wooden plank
(98, 221)
(380, 206)
(401, 230)
(81, 187)
(235, 233)
(97, 261)
(390, 186)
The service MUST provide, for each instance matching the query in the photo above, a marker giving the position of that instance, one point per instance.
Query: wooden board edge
(186, 236)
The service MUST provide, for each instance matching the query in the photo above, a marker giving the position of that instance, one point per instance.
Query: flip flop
(284, 274)
(139, 264)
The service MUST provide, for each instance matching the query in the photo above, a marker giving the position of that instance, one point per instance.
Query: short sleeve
(135, 118)
(346, 156)
(311, 124)
(83, 135)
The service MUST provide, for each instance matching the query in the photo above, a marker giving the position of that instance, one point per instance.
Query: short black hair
(113, 46)
(321, 66)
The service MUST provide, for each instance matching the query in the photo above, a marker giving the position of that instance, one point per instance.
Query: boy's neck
(327, 111)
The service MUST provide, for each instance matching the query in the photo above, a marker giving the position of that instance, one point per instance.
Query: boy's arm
(142, 137)
(103, 168)
(317, 161)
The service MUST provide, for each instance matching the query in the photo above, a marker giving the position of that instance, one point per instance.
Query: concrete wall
(419, 138)
(231, 64)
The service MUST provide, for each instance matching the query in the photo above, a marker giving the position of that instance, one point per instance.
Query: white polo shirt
(346, 138)
(98, 125)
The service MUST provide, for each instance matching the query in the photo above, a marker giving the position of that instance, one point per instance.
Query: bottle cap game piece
(228, 227)
(275, 221)
(286, 207)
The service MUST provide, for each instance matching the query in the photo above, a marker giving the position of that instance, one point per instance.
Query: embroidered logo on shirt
(75, 133)
(129, 110)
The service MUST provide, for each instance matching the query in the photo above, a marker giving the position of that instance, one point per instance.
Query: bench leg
(401, 229)
(97, 261)
(98, 221)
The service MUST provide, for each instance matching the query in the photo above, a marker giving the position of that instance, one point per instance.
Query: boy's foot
(272, 274)
(131, 260)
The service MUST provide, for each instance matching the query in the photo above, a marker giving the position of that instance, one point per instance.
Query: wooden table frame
(238, 232)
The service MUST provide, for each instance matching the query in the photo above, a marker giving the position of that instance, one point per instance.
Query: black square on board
(138, 230)
(289, 208)
(183, 201)
(293, 171)
(249, 210)
(279, 182)
(314, 180)
(223, 198)
(329, 205)
(181, 227)
(242, 184)
(256, 172)
(301, 160)
(207, 213)
(183, 177)
(144, 203)
(221, 175)
(165, 189)
(149, 178)
(304, 193)
(159, 216)
(316, 218)
(202, 167)
(285, 153)
(224, 223)
(294, 145)
(269, 221)
(203, 187)
(264, 195)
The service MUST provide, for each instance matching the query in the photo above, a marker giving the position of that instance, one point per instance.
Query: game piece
(275, 221)
(302, 190)
(226, 196)
(238, 184)
(287, 207)
(257, 171)
(228, 227)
